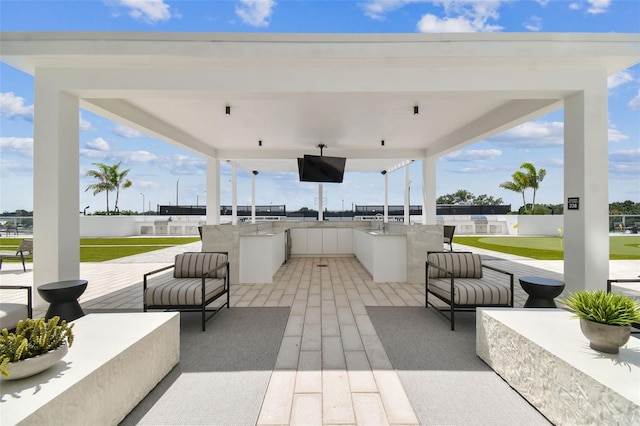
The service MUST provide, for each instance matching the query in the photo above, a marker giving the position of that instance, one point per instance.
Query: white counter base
(544, 356)
(115, 360)
(261, 255)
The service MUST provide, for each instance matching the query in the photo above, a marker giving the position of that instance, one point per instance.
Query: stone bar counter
(327, 239)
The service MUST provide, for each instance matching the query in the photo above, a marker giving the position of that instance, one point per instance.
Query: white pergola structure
(289, 92)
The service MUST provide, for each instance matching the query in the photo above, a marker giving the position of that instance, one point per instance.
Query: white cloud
(432, 24)
(148, 184)
(148, 11)
(598, 6)
(9, 169)
(126, 132)
(575, 6)
(185, 165)
(543, 2)
(625, 164)
(473, 155)
(92, 154)
(543, 134)
(376, 9)
(534, 134)
(136, 157)
(472, 170)
(534, 23)
(626, 156)
(634, 103)
(20, 146)
(462, 16)
(616, 135)
(255, 12)
(13, 106)
(84, 124)
(459, 15)
(553, 162)
(98, 144)
(618, 79)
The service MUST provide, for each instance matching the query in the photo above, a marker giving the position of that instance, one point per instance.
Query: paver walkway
(331, 367)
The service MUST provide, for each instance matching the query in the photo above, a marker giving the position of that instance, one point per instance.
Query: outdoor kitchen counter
(261, 254)
(382, 253)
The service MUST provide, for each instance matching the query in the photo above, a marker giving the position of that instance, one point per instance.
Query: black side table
(63, 298)
(541, 291)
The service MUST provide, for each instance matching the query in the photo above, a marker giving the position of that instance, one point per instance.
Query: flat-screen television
(316, 168)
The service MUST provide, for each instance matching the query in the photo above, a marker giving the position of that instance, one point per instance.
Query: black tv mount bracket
(321, 146)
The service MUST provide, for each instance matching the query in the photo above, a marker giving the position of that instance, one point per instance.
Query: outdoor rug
(446, 382)
(223, 372)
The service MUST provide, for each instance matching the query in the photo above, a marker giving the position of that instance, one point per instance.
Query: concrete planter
(605, 337)
(31, 366)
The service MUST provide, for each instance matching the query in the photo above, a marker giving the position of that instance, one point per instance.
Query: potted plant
(605, 318)
(35, 345)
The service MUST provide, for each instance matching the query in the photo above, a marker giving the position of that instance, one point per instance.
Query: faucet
(380, 218)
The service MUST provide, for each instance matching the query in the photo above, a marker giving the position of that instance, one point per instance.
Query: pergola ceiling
(295, 91)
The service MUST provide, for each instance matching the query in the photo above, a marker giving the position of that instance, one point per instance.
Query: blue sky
(156, 167)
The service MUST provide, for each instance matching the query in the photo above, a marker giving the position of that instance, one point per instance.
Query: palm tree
(118, 180)
(534, 177)
(103, 174)
(518, 184)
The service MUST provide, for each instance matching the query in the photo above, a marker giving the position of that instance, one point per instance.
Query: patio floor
(327, 366)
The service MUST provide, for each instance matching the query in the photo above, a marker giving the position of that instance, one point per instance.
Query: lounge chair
(459, 280)
(198, 279)
(24, 252)
(448, 235)
(12, 313)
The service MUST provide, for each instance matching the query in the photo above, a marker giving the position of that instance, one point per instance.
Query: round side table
(541, 291)
(63, 298)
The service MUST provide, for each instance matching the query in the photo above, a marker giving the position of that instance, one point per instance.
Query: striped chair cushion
(463, 265)
(470, 291)
(164, 290)
(193, 264)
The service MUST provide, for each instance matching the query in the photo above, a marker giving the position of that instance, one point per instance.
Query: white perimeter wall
(129, 226)
(540, 225)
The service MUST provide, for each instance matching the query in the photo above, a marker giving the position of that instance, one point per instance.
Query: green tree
(464, 197)
(517, 184)
(110, 178)
(486, 200)
(119, 181)
(104, 184)
(533, 179)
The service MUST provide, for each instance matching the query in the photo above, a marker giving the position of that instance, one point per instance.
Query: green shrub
(605, 308)
(33, 338)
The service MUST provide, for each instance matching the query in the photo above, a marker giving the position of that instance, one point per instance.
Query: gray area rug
(446, 382)
(223, 372)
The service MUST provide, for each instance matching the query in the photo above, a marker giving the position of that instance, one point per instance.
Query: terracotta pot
(605, 337)
(30, 366)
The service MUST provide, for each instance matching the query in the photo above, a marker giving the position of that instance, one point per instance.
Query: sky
(160, 172)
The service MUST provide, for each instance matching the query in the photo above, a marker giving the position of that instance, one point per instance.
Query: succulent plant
(33, 337)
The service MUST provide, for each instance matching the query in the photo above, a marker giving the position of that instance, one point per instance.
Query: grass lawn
(550, 248)
(101, 249)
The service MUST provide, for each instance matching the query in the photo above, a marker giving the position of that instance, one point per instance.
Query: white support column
(385, 208)
(234, 194)
(407, 215)
(586, 229)
(213, 191)
(320, 203)
(429, 191)
(56, 183)
(253, 197)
